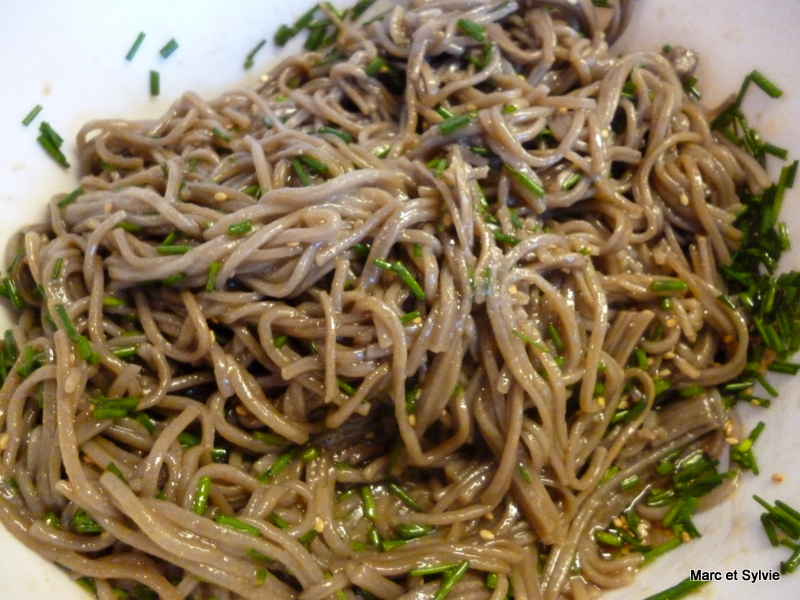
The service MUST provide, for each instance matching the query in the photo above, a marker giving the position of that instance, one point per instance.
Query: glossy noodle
(429, 298)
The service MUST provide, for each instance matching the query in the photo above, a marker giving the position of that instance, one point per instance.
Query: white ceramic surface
(69, 57)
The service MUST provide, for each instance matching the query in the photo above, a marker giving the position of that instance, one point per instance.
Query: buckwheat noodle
(325, 314)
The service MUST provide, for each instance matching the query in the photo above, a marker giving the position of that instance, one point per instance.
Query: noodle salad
(435, 308)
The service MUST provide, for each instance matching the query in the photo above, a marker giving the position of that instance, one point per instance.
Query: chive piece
(249, 60)
(169, 48)
(280, 341)
(146, 422)
(571, 181)
(276, 520)
(318, 166)
(668, 285)
(432, 569)
(660, 550)
(213, 271)
(408, 317)
(345, 387)
(342, 135)
(12, 293)
(112, 468)
(135, 47)
(525, 181)
(438, 166)
(679, 590)
(765, 84)
(388, 545)
(530, 341)
(310, 453)
(200, 502)
(412, 531)
(51, 142)
(280, 463)
(82, 522)
(456, 122)
(629, 483)
(234, 523)
(51, 519)
(691, 390)
(474, 30)
(377, 65)
(81, 342)
(175, 278)
(241, 228)
(57, 268)
(402, 271)
(404, 497)
(32, 115)
(125, 352)
(523, 471)
(450, 579)
(608, 538)
(172, 249)
(301, 172)
(360, 8)
(155, 83)
(217, 132)
(368, 501)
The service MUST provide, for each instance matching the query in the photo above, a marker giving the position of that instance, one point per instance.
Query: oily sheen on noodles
(392, 321)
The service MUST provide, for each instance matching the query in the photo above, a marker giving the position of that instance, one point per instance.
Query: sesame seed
(728, 339)
(685, 537)
(731, 440)
(4, 441)
(486, 534)
(319, 525)
(671, 322)
(412, 420)
(684, 199)
(220, 196)
(601, 401)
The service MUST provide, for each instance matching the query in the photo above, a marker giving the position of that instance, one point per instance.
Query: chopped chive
(200, 502)
(319, 166)
(668, 285)
(70, 198)
(432, 569)
(57, 268)
(51, 142)
(360, 8)
(765, 84)
(169, 48)
(400, 493)
(280, 463)
(12, 293)
(249, 60)
(412, 531)
(523, 471)
(525, 181)
(474, 30)
(82, 522)
(234, 523)
(279, 522)
(51, 519)
(155, 83)
(608, 538)
(240, 228)
(504, 238)
(450, 579)
(408, 317)
(280, 341)
(172, 249)
(80, 341)
(405, 275)
(301, 172)
(377, 65)
(368, 502)
(342, 135)
(135, 47)
(112, 468)
(571, 181)
(213, 271)
(530, 341)
(438, 166)
(175, 278)
(310, 453)
(32, 115)
(691, 390)
(629, 483)
(456, 122)
(660, 550)
(217, 132)
(125, 352)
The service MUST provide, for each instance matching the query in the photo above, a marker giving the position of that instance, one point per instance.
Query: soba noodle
(428, 299)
